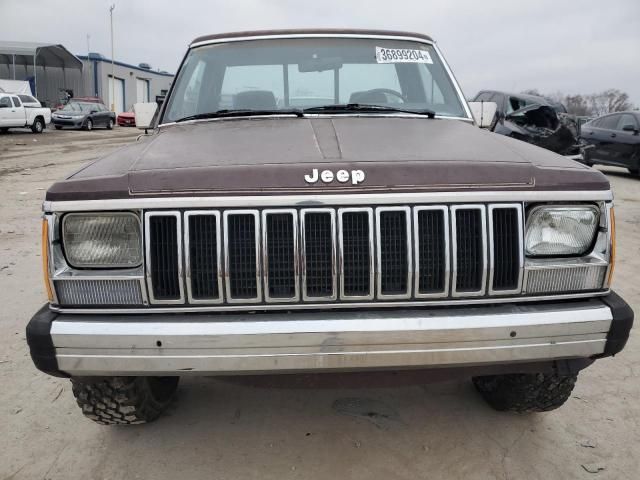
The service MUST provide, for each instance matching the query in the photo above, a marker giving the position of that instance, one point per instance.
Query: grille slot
(394, 252)
(432, 246)
(506, 248)
(356, 252)
(242, 242)
(203, 257)
(99, 292)
(164, 257)
(280, 253)
(469, 250)
(319, 253)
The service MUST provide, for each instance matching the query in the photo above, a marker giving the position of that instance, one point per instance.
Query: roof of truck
(311, 31)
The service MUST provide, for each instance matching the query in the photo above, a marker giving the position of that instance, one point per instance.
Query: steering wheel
(388, 91)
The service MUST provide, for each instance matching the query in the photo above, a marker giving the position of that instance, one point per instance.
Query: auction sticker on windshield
(402, 55)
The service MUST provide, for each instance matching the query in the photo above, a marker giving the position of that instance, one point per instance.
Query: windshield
(78, 107)
(281, 74)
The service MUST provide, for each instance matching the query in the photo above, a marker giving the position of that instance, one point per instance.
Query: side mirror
(93, 111)
(484, 113)
(630, 128)
(144, 113)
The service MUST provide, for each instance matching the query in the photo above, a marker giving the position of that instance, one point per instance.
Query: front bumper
(179, 344)
(68, 122)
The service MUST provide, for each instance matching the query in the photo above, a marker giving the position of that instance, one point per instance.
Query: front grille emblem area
(341, 176)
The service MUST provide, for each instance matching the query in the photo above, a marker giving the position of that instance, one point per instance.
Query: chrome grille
(314, 255)
(164, 257)
(393, 229)
(505, 230)
(431, 226)
(98, 292)
(242, 246)
(280, 246)
(319, 277)
(203, 257)
(356, 253)
(469, 250)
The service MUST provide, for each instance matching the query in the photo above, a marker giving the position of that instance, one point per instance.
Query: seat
(368, 96)
(255, 100)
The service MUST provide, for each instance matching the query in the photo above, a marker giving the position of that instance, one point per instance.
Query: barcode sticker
(402, 55)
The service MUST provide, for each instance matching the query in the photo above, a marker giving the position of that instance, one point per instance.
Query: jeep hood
(273, 155)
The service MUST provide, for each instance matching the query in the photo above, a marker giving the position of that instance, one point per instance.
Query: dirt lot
(225, 430)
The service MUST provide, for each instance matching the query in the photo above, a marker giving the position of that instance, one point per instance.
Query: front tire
(38, 126)
(58, 127)
(526, 392)
(89, 125)
(110, 124)
(124, 400)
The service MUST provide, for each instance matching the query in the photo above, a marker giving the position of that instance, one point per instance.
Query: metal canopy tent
(35, 54)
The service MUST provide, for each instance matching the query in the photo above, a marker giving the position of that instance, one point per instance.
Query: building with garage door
(129, 84)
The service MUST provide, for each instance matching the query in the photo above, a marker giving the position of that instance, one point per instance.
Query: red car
(127, 119)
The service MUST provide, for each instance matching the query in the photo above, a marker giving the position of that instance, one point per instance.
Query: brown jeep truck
(324, 201)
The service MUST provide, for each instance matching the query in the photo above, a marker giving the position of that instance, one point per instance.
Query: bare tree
(593, 105)
(609, 101)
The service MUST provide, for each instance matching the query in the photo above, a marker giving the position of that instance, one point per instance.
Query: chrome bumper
(327, 341)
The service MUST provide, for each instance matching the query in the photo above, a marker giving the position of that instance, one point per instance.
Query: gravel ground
(233, 430)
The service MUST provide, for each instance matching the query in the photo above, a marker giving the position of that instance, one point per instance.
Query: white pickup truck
(13, 114)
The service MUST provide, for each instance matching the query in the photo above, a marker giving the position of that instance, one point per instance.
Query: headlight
(561, 230)
(103, 240)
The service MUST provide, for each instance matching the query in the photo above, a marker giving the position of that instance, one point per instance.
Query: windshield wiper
(227, 113)
(364, 107)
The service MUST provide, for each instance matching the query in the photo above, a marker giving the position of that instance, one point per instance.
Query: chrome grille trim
(187, 257)
(492, 254)
(265, 255)
(147, 260)
(454, 250)
(369, 212)
(100, 292)
(447, 252)
(409, 253)
(332, 214)
(227, 264)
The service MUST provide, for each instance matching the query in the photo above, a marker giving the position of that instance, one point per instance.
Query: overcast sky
(581, 46)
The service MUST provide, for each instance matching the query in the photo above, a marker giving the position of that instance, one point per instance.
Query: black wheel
(58, 127)
(4, 130)
(38, 126)
(124, 400)
(634, 171)
(110, 124)
(526, 392)
(89, 125)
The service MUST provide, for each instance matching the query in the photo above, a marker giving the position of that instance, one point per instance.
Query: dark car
(613, 140)
(85, 115)
(382, 232)
(533, 119)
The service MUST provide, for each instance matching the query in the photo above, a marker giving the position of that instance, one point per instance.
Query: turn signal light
(45, 258)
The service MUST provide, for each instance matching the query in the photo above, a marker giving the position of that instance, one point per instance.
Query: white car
(15, 114)
(28, 101)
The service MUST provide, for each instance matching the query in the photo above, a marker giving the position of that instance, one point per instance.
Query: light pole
(113, 78)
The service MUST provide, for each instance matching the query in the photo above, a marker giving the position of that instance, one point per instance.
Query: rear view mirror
(484, 113)
(144, 113)
(320, 64)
